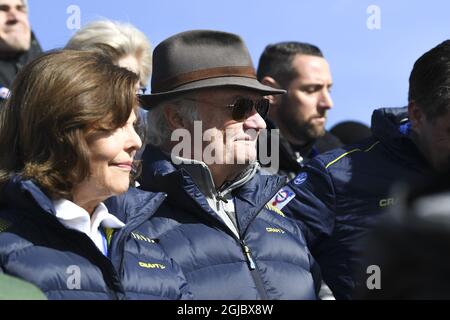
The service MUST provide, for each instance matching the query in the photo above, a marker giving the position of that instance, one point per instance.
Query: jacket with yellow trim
(340, 195)
(270, 259)
(65, 263)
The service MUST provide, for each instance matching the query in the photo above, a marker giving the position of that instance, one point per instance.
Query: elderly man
(300, 115)
(17, 43)
(205, 113)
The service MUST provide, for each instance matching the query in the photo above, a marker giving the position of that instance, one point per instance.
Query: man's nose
(325, 101)
(255, 121)
(11, 15)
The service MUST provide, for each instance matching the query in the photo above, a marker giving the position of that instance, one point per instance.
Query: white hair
(158, 129)
(123, 38)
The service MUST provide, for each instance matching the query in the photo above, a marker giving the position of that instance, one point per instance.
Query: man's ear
(174, 119)
(271, 82)
(416, 115)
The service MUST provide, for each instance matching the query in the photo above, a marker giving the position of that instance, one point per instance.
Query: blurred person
(67, 143)
(350, 132)
(217, 224)
(18, 45)
(409, 247)
(300, 114)
(13, 288)
(127, 46)
(341, 195)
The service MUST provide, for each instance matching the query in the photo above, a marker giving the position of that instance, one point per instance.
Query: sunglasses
(242, 108)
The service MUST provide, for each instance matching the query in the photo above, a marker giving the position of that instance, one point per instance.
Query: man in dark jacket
(18, 45)
(342, 194)
(300, 114)
(410, 246)
(218, 224)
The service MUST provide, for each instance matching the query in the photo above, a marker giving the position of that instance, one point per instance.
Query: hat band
(174, 82)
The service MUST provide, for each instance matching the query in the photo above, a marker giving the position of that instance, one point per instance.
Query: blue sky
(370, 66)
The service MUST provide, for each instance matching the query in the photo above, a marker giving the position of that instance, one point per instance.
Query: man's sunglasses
(242, 108)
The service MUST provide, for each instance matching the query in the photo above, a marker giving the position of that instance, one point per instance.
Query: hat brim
(147, 101)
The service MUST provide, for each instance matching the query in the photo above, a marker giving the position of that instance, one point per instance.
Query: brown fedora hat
(201, 59)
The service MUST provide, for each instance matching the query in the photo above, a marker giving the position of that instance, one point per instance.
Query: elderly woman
(67, 143)
(127, 46)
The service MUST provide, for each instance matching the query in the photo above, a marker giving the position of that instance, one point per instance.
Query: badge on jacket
(282, 198)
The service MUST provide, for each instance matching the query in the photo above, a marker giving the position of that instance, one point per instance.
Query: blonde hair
(56, 102)
(123, 39)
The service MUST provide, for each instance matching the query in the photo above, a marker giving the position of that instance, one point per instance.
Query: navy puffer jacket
(341, 195)
(270, 259)
(66, 264)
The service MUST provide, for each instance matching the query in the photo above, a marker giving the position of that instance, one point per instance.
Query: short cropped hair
(276, 60)
(118, 40)
(56, 102)
(429, 82)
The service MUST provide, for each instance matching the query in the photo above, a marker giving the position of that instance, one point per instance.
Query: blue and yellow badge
(282, 198)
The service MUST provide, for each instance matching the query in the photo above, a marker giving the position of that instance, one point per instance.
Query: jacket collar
(25, 194)
(202, 177)
(134, 204)
(386, 126)
(253, 189)
(158, 173)
(291, 157)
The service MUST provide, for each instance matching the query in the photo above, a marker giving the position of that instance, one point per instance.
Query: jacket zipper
(248, 255)
(251, 262)
(245, 248)
(256, 276)
(254, 272)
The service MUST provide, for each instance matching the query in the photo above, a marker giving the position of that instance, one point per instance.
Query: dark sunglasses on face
(242, 108)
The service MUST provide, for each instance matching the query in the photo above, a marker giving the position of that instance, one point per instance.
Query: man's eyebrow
(7, 7)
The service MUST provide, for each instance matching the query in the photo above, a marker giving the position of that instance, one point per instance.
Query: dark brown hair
(276, 60)
(429, 82)
(56, 101)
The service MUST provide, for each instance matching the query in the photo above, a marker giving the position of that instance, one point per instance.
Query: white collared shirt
(75, 217)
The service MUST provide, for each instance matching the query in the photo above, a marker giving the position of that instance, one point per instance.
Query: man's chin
(316, 131)
(15, 47)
